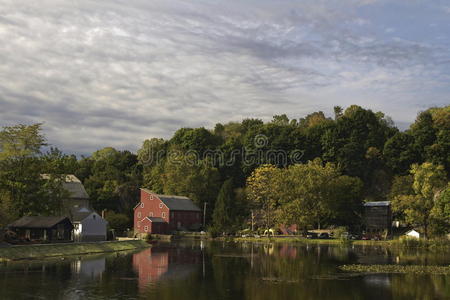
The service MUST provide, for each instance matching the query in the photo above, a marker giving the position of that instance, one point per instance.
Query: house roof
(156, 220)
(177, 202)
(37, 222)
(80, 214)
(378, 203)
(73, 185)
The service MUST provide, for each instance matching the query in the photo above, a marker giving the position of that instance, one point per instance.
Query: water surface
(195, 270)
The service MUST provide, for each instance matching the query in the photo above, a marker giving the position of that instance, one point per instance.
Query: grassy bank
(438, 244)
(54, 250)
(397, 269)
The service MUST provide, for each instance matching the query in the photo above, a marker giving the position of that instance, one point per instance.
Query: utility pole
(253, 221)
(204, 214)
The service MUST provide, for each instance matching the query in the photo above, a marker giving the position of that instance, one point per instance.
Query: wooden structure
(163, 213)
(43, 229)
(377, 216)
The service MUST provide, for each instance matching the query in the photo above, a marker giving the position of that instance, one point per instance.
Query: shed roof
(156, 220)
(37, 222)
(378, 203)
(176, 202)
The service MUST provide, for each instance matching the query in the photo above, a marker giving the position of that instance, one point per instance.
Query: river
(196, 270)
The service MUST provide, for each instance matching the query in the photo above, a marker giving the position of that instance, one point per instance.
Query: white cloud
(103, 73)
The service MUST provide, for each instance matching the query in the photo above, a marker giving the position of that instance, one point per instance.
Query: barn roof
(378, 203)
(73, 185)
(156, 220)
(177, 202)
(37, 222)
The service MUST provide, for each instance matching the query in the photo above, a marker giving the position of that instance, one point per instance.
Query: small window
(145, 228)
(142, 205)
(139, 214)
(150, 214)
(163, 214)
(151, 197)
(160, 205)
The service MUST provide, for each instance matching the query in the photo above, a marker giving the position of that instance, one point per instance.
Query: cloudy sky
(115, 72)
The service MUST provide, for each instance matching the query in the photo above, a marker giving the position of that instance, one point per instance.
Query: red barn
(163, 213)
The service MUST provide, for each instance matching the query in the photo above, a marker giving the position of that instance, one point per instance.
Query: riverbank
(67, 249)
(439, 244)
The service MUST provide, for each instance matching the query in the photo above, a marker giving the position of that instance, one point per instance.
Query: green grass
(54, 250)
(433, 244)
(399, 269)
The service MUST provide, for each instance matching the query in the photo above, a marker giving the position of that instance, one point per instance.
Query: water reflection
(89, 268)
(198, 270)
(165, 262)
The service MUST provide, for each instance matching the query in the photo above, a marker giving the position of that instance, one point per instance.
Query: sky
(116, 72)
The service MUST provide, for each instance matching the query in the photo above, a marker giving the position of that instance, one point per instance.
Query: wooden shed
(43, 229)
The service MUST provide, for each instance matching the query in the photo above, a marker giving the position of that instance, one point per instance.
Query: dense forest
(315, 171)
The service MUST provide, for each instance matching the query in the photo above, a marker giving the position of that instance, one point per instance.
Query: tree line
(355, 156)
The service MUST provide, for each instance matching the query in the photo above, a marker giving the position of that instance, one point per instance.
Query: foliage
(117, 221)
(262, 191)
(429, 180)
(224, 210)
(363, 156)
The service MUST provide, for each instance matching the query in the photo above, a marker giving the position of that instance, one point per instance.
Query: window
(150, 214)
(142, 205)
(145, 228)
(160, 205)
(139, 214)
(151, 197)
(163, 214)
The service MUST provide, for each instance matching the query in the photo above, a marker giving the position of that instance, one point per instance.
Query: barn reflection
(165, 262)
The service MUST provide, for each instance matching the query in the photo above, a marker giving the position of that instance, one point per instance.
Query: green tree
(441, 212)
(224, 211)
(262, 191)
(23, 190)
(429, 180)
(117, 221)
(197, 179)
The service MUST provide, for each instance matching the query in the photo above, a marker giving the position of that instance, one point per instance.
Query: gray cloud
(112, 73)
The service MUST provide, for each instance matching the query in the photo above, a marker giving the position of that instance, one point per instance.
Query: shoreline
(431, 245)
(39, 251)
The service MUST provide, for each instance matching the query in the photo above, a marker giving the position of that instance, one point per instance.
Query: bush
(118, 222)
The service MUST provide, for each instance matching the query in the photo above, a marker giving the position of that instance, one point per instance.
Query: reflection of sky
(89, 268)
(378, 280)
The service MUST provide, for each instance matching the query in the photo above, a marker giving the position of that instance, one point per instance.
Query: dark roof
(37, 222)
(378, 203)
(80, 214)
(177, 202)
(156, 220)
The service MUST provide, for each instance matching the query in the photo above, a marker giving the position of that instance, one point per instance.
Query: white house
(89, 226)
(413, 234)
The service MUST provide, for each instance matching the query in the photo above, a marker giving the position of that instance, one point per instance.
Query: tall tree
(429, 180)
(224, 216)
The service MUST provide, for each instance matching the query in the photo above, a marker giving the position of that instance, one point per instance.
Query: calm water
(197, 270)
